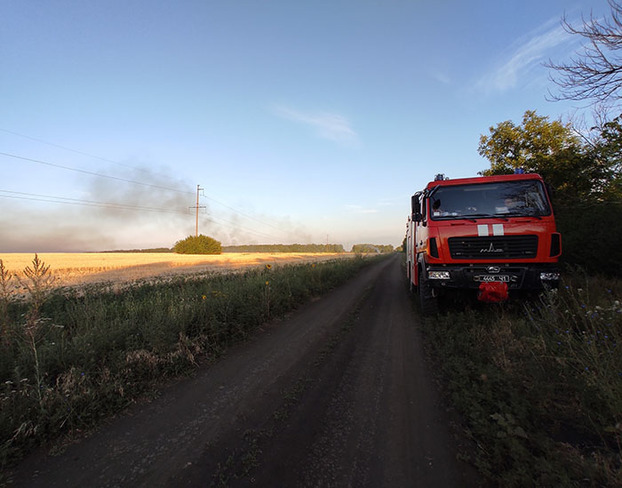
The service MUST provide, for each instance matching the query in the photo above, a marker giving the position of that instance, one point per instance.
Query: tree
(576, 171)
(198, 245)
(595, 73)
(372, 248)
(538, 145)
(607, 152)
(528, 146)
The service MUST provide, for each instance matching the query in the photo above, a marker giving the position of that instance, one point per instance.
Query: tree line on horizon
(328, 248)
(206, 245)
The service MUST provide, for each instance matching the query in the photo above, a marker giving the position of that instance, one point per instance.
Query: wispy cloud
(525, 55)
(327, 125)
(441, 77)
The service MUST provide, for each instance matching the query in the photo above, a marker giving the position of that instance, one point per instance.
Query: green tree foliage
(272, 248)
(529, 145)
(198, 245)
(371, 248)
(552, 149)
(607, 153)
(537, 145)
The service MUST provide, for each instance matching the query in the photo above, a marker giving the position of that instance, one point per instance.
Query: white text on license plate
(502, 278)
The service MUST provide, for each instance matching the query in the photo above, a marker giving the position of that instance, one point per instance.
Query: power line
(86, 203)
(72, 150)
(116, 178)
(83, 171)
(90, 203)
(78, 170)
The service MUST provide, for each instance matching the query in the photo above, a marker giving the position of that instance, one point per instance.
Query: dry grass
(75, 269)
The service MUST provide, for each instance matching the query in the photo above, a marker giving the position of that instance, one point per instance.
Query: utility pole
(197, 207)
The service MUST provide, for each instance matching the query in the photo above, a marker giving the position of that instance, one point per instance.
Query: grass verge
(69, 359)
(539, 384)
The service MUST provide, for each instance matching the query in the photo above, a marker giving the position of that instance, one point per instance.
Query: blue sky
(306, 121)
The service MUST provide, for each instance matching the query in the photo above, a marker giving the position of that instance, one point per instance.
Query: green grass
(70, 358)
(539, 383)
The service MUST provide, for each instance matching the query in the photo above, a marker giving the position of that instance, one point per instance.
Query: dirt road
(339, 394)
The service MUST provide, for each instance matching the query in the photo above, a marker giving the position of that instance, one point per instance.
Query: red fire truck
(492, 236)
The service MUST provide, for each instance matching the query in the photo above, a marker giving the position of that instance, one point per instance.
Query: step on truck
(491, 236)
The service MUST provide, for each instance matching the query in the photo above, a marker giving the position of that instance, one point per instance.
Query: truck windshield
(504, 199)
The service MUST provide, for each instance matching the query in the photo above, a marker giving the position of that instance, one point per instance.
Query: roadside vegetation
(539, 383)
(70, 358)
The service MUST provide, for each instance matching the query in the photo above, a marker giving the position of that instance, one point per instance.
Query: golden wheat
(74, 269)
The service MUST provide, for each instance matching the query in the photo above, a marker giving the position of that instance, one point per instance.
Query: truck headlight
(549, 276)
(438, 275)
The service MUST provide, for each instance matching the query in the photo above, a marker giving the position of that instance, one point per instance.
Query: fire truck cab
(492, 236)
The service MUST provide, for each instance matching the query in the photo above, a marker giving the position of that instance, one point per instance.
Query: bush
(591, 236)
(198, 245)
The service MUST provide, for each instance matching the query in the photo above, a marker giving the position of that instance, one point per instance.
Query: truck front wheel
(428, 297)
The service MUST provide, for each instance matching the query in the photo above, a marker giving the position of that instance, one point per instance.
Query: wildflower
(204, 297)
(268, 266)
(267, 283)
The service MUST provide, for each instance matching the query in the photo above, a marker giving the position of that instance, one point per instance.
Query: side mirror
(417, 217)
(415, 205)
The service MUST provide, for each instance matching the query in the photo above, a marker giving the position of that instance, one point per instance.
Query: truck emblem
(490, 248)
(493, 269)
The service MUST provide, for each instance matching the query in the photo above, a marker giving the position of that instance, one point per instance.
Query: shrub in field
(95, 352)
(540, 384)
(198, 245)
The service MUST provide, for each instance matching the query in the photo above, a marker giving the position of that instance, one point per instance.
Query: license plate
(487, 278)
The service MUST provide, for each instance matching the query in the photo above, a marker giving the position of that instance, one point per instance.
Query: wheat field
(75, 269)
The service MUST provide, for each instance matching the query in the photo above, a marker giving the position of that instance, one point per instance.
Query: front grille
(493, 247)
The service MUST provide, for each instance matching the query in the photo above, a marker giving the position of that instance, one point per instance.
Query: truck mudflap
(514, 276)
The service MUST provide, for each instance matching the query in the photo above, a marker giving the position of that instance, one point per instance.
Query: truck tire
(428, 299)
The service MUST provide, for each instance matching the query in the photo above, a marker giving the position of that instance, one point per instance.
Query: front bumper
(518, 276)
